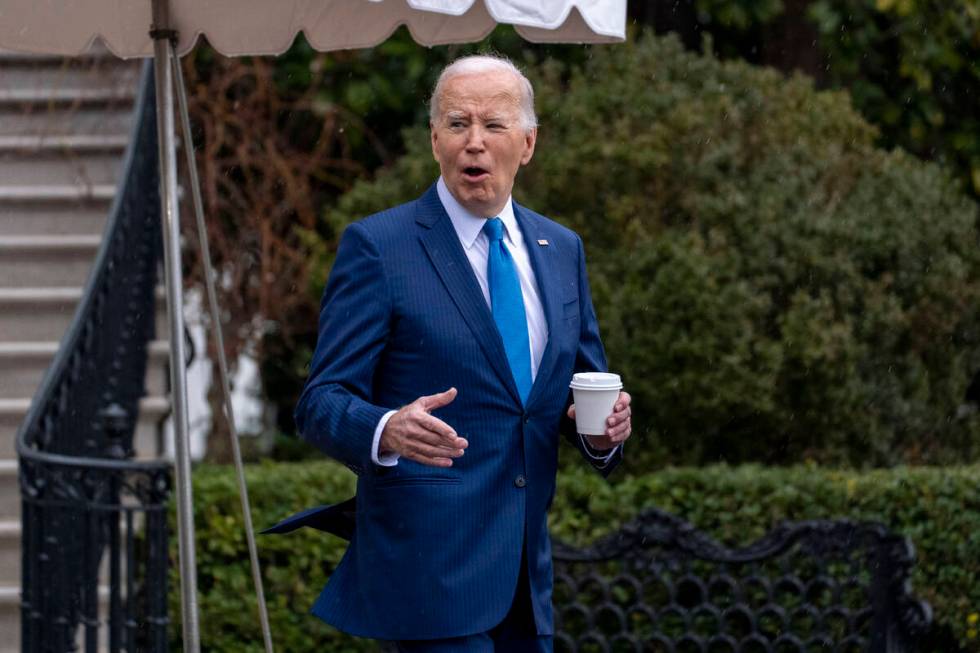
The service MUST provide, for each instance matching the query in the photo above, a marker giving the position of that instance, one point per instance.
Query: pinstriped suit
(435, 552)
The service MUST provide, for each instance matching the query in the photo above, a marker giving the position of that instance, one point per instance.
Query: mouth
(475, 173)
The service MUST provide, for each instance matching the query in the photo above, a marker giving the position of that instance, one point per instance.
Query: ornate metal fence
(660, 585)
(94, 570)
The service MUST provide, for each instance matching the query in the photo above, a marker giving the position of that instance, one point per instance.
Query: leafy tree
(772, 286)
(914, 70)
(912, 66)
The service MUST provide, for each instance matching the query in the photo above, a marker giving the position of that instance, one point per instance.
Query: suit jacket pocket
(416, 479)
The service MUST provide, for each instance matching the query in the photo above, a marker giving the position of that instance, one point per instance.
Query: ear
(433, 138)
(530, 138)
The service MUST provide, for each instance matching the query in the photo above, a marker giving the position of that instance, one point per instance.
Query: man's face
(479, 141)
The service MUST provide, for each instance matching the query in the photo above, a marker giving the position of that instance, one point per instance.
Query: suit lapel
(544, 261)
(448, 258)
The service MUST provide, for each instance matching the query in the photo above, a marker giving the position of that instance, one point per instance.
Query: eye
(496, 126)
(456, 124)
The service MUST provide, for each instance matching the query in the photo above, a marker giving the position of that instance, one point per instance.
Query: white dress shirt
(469, 230)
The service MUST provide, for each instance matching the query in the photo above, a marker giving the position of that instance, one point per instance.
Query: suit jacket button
(527, 418)
(520, 481)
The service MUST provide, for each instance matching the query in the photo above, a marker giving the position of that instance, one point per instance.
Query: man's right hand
(415, 434)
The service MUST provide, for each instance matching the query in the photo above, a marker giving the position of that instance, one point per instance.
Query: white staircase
(64, 125)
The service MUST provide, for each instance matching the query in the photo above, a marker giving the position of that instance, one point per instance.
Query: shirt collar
(468, 226)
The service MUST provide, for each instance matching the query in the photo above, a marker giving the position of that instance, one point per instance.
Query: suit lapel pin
(542, 242)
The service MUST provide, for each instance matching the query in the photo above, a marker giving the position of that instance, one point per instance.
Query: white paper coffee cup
(595, 395)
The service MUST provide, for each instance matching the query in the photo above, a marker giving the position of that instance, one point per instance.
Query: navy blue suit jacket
(435, 552)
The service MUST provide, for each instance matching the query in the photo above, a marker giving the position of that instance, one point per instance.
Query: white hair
(484, 63)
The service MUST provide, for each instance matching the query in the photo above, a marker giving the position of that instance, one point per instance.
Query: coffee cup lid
(596, 381)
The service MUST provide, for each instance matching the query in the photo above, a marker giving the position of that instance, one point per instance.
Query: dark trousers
(515, 634)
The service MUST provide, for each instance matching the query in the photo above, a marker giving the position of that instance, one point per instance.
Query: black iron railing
(94, 543)
(660, 585)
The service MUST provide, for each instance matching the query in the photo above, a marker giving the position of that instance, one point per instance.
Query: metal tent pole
(161, 32)
(219, 342)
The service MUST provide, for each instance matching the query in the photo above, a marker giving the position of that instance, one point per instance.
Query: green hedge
(938, 508)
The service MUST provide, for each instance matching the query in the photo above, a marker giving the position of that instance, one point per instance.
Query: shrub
(772, 286)
(295, 568)
(939, 509)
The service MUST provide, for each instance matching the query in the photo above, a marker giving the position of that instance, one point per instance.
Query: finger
(422, 436)
(417, 422)
(623, 401)
(624, 437)
(618, 432)
(431, 402)
(621, 410)
(431, 451)
(442, 432)
(571, 411)
(618, 418)
(433, 462)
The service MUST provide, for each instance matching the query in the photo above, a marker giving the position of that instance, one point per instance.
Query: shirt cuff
(389, 459)
(589, 449)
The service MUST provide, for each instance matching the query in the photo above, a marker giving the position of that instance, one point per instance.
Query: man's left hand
(619, 426)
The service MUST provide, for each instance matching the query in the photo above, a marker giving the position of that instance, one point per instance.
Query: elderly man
(449, 332)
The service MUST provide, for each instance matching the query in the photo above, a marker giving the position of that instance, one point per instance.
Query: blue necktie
(507, 305)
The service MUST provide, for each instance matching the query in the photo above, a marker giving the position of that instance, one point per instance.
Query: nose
(474, 139)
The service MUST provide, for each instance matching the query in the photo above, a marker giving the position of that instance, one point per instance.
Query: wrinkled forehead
(481, 92)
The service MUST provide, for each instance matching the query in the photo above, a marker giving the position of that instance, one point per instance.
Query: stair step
(31, 143)
(66, 95)
(58, 167)
(32, 314)
(9, 489)
(36, 242)
(45, 261)
(57, 192)
(10, 552)
(10, 619)
(106, 80)
(15, 56)
(12, 412)
(53, 218)
(97, 51)
(104, 73)
(82, 120)
(148, 438)
(22, 366)
(28, 314)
